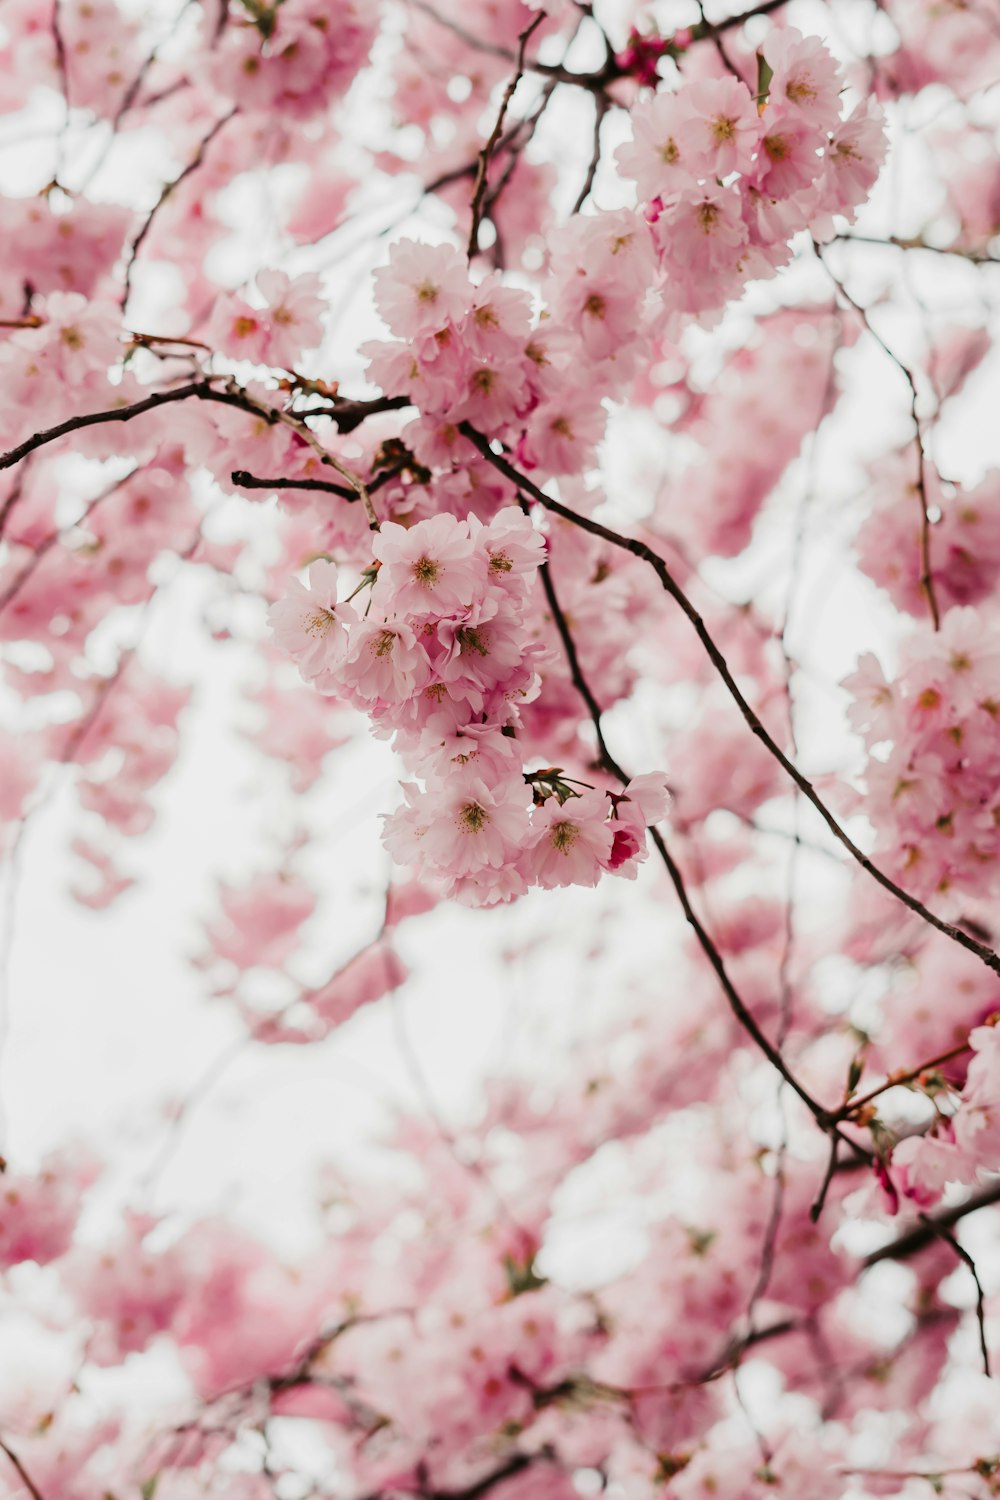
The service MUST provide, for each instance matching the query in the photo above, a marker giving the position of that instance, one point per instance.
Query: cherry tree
(583, 410)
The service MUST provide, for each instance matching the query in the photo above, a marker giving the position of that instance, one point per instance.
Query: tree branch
(708, 947)
(921, 1235)
(479, 188)
(22, 1472)
(346, 415)
(658, 564)
(168, 189)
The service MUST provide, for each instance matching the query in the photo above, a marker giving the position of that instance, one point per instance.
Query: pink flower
(510, 548)
(703, 229)
(788, 160)
(977, 1123)
(277, 333)
(854, 157)
(428, 569)
(806, 77)
(386, 663)
(499, 319)
(722, 127)
(309, 624)
(658, 158)
(463, 826)
(39, 1210)
(422, 288)
(644, 801)
(924, 1165)
(572, 842)
(562, 433)
(295, 314)
(480, 648)
(871, 710)
(494, 395)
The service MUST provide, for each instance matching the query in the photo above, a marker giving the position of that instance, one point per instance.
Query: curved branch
(346, 415)
(639, 549)
(22, 1472)
(931, 1225)
(736, 1004)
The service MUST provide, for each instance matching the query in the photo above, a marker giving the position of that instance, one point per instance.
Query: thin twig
(168, 189)
(918, 1238)
(484, 156)
(708, 947)
(22, 1472)
(975, 257)
(601, 106)
(897, 1079)
(926, 574)
(298, 426)
(346, 415)
(742, 1014)
(816, 1208)
(943, 1233)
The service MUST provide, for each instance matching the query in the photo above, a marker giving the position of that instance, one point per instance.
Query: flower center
(470, 638)
(473, 818)
(799, 89)
(564, 835)
(319, 622)
(707, 215)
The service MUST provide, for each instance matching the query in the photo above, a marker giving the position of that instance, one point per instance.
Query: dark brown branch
(703, 938)
(658, 564)
(923, 1234)
(611, 72)
(601, 107)
(926, 576)
(816, 1208)
(514, 1465)
(247, 481)
(479, 187)
(17, 489)
(895, 1080)
(118, 414)
(708, 947)
(168, 189)
(975, 257)
(736, 1005)
(945, 1234)
(22, 1472)
(577, 678)
(346, 415)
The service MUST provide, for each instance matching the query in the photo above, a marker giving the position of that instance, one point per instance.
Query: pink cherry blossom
(572, 841)
(422, 288)
(310, 624)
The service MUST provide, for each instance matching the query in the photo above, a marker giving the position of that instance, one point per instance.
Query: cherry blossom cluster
(725, 181)
(933, 793)
(963, 543)
(728, 177)
(750, 1087)
(439, 659)
(961, 1145)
